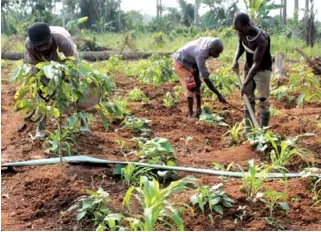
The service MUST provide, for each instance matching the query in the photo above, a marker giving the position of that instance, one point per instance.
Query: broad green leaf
(215, 201)
(81, 215)
(285, 206)
(22, 91)
(218, 209)
(49, 72)
(17, 74)
(101, 228)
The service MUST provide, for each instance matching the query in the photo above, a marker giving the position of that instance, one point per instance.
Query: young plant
(55, 141)
(156, 208)
(317, 191)
(186, 140)
(156, 70)
(261, 140)
(170, 100)
(131, 174)
(253, 179)
(214, 198)
(274, 199)
(236, 134)
(157, 151)
(112, 110)
(275, 112)
(94, 206)
(211, 118)
(137, 125)
(136, 95)
(282, 93)
(287, 149)
(224, 80)
(54, 88)
(307, 83)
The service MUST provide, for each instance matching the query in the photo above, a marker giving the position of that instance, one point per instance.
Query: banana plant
(260, 9)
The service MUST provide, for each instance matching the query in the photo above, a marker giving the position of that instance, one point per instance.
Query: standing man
(257, 72)
(189, 64)
(42, 45)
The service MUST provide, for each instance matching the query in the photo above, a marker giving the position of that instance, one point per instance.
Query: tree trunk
(279, 65)
(281, 11)
(93, 56)
(296, 10)
(119, 16)
(196, 16)
(306, 6)
(63, 13)
(157, 8)
(284, 13)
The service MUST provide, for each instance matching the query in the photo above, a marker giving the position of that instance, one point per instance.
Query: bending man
(189, 64)
(42, 45)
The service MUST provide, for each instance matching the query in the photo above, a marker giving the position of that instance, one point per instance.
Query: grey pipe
(80, 159)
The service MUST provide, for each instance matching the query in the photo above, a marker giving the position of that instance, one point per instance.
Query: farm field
(166, 115)
(38, 198)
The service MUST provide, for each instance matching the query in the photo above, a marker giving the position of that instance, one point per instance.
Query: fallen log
(93, 55)
(314, 63)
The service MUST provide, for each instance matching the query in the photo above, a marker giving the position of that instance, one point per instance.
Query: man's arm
(239, 52)
(258, 54)
(201, 64)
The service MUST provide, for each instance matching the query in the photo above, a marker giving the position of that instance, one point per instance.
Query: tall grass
(144, 42)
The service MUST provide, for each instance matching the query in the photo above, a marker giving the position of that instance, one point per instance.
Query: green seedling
(136, 95)
(131, 174)
(274, 199)
(170, 100)
(236, 134)
(211, 118)
(213, 198)
(156, 209)
(157, 151)
(94, 206)
(137, 125)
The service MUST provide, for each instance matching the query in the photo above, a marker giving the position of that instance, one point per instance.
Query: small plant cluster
(211, 118)
(155, 70)
(156, 210)
(136, 95)
(131, 174)
(224, 80)
(279, 150)
(94, 206)
(56, 87)
(139, 126)
(236, 134)
(253, 185)
(306, 83)
(213, 198)
(157, 151)
(170, 99)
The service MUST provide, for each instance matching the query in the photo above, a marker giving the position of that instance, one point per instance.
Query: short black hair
(39, 33)
(242, 18)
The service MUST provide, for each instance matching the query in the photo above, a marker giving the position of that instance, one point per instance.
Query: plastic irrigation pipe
(248, 104)
(86, 159)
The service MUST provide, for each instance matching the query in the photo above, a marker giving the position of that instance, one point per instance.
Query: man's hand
(221, 99)
(236, 68)
(244, 89)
